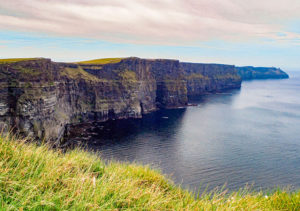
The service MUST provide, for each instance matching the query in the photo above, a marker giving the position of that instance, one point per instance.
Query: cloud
(171, 22)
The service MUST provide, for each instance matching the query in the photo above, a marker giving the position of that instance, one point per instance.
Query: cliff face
(156, 83)
(39, 98)
(248, 73)
(29, 95)
(205, 78)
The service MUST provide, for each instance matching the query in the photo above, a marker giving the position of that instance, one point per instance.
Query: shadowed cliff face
(249, 73)
(38, 97)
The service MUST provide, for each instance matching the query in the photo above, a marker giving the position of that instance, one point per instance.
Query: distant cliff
(206, 78)
(248, 73)
(40, 98)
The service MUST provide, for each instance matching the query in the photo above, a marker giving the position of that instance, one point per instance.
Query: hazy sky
(241, 32)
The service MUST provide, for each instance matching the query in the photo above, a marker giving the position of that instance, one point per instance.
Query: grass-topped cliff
(39, 97)
(102, 61)
(13, 60)
(37, 178)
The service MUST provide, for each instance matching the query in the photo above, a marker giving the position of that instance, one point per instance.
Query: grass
(102, 61)
(13, 60)
(79, 73)
(35, 177)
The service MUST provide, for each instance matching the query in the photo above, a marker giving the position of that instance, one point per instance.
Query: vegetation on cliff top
(37, 178)
(12, 60)
(102, 61)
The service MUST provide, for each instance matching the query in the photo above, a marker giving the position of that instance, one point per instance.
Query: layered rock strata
(40, 98)
(207, 78)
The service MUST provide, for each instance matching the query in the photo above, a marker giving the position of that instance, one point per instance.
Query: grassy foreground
(36, 178)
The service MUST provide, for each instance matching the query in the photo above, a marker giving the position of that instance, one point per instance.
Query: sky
(240, 32)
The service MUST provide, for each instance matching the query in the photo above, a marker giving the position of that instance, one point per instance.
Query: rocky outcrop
(39, 98)
(249, 73)
(206, 78)
(29, 95)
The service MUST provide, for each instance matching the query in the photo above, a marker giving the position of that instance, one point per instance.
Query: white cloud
(179, 22)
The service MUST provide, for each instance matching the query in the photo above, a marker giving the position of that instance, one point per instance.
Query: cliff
(249, 72)
(206, 78)
(39, 98)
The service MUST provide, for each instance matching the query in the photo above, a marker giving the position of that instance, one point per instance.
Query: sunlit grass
(102, 61)
(77, 73)
(37, 178)
(12, 60)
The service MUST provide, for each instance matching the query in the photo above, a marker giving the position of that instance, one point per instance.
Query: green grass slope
(37, 178)
(102, 61)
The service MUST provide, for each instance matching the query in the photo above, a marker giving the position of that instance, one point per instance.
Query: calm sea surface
(247, 136)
